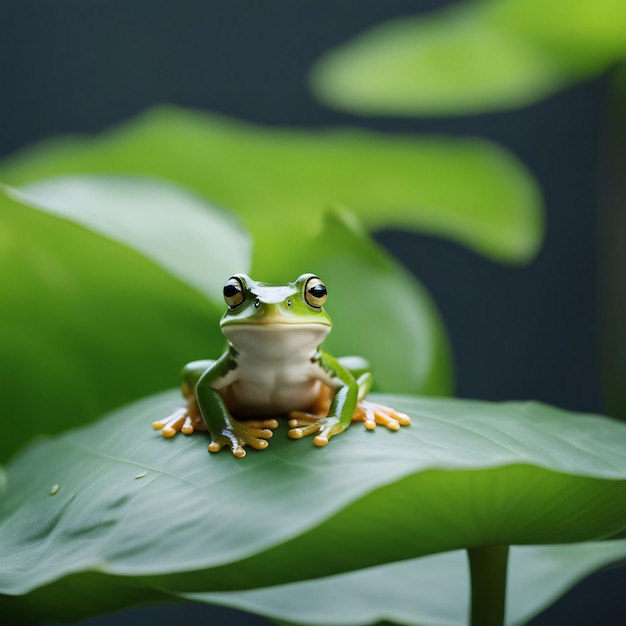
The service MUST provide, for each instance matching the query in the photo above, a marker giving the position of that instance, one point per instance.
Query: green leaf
(473, 57)
(86, 324)
(463, 474)
(418, 592)
(280, 181)
(369, 290)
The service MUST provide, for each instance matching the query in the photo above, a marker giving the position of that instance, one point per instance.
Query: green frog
(274, 366)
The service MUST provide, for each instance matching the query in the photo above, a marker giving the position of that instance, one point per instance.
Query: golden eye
(315, 292)
(234, 292)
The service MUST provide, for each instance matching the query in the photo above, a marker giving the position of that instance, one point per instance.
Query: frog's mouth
(274, 319)
(281, 338)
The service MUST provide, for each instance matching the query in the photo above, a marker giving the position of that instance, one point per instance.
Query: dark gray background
(72, 66)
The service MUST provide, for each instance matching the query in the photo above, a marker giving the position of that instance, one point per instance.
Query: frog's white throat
(270, 342)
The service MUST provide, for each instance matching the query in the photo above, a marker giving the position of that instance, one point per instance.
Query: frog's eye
(234, 293)
(315, 292)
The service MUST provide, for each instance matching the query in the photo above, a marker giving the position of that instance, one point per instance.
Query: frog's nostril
(257, 303)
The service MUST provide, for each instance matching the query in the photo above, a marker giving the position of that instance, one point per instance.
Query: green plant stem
(488, 566)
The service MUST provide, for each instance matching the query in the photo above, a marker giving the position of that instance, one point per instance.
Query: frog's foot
(185, 420)
(304, 424)
(267, 423)
(372, 414)
(253, 433)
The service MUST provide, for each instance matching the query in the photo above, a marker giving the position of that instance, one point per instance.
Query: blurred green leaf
(379, 310)
(418, 592)
(452, 62)
(472, 57)
(462, 474)
(281, 181)
(87, 324)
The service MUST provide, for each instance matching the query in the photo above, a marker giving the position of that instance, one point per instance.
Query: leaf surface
(166, 513)
(280, 181)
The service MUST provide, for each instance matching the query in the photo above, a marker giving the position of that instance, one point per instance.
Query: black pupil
(319, 291)
(231, 290)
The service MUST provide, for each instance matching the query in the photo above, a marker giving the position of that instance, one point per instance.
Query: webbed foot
(185, 420)
(373, 414)
(253, 433)
(303, 424)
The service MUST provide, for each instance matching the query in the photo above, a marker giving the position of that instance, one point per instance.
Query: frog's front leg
(186, 419)
(189, 419)
(224, 429)
(371, 413)
(374, 413)
(341, 408)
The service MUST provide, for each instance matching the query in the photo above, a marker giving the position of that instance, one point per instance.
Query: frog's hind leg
(186, 419)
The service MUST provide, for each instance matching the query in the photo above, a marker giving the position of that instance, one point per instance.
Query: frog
(274, 366)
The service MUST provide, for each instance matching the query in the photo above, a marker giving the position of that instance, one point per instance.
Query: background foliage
(74, 297)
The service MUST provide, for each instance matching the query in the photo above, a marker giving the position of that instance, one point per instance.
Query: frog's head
(293, 306)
